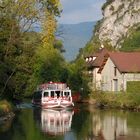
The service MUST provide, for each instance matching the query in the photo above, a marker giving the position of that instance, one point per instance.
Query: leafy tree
(49, 64)
(18, 46)
(58, 44)
(77, 78)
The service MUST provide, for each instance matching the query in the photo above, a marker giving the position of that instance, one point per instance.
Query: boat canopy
(53, 86)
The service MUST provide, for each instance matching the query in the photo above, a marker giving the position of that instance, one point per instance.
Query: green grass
(118, 100)
(133, 86)
(5, 107)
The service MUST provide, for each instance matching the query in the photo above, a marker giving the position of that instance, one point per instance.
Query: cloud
(75, 11)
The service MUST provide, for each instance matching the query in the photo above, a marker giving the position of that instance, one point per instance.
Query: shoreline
(6, 117)
(101, 105)
(121, 107)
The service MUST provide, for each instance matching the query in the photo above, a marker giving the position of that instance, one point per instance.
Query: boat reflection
(55, 122)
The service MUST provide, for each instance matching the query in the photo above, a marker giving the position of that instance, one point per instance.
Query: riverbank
(119, 100)
(6, 111)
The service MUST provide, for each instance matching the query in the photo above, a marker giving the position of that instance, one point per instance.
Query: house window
(115, 71)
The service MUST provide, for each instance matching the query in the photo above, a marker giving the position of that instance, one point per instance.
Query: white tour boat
(53, 95)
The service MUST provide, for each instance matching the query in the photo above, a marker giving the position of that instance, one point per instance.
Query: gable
(109, 67)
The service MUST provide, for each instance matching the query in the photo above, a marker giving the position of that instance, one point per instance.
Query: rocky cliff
(119, 16)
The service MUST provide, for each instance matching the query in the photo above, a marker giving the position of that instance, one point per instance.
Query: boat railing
(55, 98)
(52, 87)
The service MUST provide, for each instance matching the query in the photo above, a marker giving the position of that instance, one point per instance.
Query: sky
(76, 11)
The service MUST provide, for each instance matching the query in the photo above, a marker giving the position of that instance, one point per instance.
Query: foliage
(133, 86)
(49, 64)
(118, 100)
(132, 42)
(58, 44)
(5, 107)
(19, 45)
(76, 77)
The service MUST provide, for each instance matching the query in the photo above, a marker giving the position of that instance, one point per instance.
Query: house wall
(110, 81)
(96, 79)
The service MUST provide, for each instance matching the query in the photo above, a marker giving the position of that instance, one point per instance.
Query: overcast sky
(75, 11)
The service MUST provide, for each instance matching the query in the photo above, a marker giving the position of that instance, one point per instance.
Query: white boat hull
(58, 103)
(54, 104)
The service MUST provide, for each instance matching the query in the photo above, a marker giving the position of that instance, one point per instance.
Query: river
(82, 122)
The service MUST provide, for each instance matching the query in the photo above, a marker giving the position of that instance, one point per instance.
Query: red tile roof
(100, 58)
(126, 62)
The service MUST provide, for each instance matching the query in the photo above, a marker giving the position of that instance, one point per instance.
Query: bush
(132, 43)
(118, 100)
(133, 86)
(5, 107)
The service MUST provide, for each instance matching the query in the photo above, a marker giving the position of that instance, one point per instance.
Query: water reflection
(110, 127)
(55, 122)
(5, 125)
(84, 123)
(113, 125)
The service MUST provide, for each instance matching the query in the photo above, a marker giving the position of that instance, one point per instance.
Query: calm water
(81, 123)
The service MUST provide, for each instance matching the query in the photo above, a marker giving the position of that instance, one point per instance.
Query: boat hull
(54, 104)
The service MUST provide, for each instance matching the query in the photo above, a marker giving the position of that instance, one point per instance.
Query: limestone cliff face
(118, 17)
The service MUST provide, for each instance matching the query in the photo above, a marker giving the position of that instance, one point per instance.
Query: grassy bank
(117, 100)
(5, 107)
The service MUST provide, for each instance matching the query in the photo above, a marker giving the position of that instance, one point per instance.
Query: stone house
(111, 71)
(94, 62)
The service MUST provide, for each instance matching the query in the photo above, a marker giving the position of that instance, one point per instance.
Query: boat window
(58, 94)
(52, 94)
(46, 94)
(66, 93)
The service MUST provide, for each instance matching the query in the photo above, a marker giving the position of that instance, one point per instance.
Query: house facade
(119, 69)
(116, 69)
(94, 62)
(115, 80)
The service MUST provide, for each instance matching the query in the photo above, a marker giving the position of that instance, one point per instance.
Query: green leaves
(132, 43)
(23, 56)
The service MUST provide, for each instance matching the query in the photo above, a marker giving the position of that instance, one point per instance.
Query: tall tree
(50, 64)
(17, 57)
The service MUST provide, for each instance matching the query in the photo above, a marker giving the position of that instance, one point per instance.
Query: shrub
(5, 107)
(118, 100)
(132, 42)
(133, 86)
